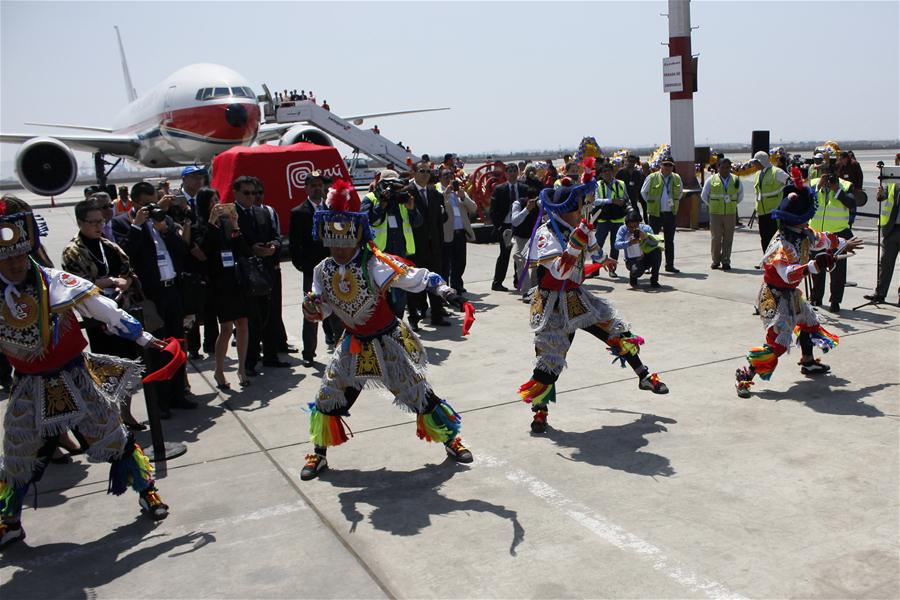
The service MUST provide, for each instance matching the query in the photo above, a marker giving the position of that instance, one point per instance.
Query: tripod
(876, 303)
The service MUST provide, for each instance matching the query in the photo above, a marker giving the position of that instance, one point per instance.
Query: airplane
(190, 116)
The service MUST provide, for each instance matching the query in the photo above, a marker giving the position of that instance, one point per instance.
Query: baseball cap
(191, 169)
(388, 174)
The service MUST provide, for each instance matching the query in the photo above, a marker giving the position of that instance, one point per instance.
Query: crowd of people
(153, 264)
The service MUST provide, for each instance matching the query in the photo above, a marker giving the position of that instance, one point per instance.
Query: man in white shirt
(722, 192)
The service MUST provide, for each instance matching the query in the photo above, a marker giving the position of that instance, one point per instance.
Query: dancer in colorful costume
(57, 385)
(782, 306)
(377, 348)
(560, 306)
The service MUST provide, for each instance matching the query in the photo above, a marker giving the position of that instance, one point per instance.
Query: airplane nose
(236, 115)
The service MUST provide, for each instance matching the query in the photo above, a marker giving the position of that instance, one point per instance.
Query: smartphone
(229, 210)
(455, 184)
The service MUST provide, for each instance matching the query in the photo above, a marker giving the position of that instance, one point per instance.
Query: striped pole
(681, 104)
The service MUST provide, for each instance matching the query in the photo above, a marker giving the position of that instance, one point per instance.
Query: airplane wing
(83, 127)
(391, 114)
(119, 145)
(272, 131)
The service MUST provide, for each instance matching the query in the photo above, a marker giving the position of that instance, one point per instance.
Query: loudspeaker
(759, 141)
(701, 155)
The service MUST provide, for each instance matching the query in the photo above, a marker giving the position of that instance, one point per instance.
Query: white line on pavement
(612, 533)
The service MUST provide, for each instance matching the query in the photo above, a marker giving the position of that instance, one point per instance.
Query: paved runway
(698, 494)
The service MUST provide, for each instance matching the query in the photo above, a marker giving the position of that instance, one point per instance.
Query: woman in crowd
(102, 262)
(224, 246)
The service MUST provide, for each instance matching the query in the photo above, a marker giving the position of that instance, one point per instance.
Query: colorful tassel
(819, 336)
(11, 499)
(621, 348)
(133, 469)
(326, 430)
(537, 393)
(440, 425)
(763, 360)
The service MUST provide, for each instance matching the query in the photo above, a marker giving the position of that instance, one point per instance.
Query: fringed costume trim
(326, 430)
(819, 336)
(440, 425)
(131, 470)
(536, 393)
(623, 347)
(11, 499)
(763, 360)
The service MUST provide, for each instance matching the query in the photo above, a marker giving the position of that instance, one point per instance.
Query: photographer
(641, 247)
(258, 229)
(524, 216)
(393, 214)
(612, 203)
(833, 215)
(429, 238)
(889, 219)
(157, 251)
(457, 229)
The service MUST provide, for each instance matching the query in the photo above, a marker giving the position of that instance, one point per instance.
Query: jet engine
(310, 136)
(46, 166)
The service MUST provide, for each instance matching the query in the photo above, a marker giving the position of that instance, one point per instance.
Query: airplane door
(167, 107)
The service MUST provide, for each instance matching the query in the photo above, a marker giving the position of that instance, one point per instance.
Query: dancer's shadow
(617, 446)
(476, 300)
(819, 394)
(69, 570)
(404, 502)
(262, 389)
(684, 275)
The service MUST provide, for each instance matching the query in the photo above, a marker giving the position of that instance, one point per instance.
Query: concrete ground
(791, 493)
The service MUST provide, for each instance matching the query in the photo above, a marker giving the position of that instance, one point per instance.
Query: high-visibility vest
(722, 201)
(654, 194)
(381, 230)
(887, 205)
(831, 214)
(615, 190)
(768, 191)
(814, 172)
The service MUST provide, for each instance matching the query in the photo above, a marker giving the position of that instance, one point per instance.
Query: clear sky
(518, 75)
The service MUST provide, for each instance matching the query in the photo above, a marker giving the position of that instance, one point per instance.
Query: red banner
(282, 169)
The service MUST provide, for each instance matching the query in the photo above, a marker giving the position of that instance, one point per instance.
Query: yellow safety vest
(618, 193)
(656, 189)
(887, 205)
(381, 230)
(814, 172)
(722, 201)
(831, 214)
(768, 191)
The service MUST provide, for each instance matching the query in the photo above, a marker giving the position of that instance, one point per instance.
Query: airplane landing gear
(100, 165)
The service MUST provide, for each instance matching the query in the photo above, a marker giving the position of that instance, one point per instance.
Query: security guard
(662, 190)
(769, 183)
(612, 203)
(889, 219)
(722, 192)
(834, 201)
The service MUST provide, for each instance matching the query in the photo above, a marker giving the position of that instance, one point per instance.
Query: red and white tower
(681, 97)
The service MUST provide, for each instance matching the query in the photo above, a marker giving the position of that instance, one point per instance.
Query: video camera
(156, 213)
(393, 190)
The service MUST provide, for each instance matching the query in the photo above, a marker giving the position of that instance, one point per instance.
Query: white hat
(763, 158)
(389, 174)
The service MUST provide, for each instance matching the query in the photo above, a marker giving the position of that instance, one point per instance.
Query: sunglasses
(423, 171)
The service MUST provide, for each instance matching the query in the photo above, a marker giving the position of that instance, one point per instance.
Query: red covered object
(283, 171)
(469, 318)
(173, 347)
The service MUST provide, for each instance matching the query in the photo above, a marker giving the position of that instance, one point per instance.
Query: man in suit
(259, 231)
(429, 238)
(502, 199)
(889, 218)
(457, 229)
(306, 253)
(158, 253)
(275, 306)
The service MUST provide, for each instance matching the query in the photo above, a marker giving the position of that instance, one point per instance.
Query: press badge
(633, 251)
(227, 259)
(392, 221)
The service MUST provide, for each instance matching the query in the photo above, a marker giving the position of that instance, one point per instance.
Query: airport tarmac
(696, 494)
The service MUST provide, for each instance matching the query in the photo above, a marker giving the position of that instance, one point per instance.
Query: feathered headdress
(342, 225)
(590, 170)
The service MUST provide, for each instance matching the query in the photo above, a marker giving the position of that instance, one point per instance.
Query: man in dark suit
(259, 231)
(429, 237)
(889, 209)
(306, 253)
(158, 253)
(502, 199)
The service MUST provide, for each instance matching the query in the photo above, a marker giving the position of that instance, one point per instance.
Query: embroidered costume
(560, 306)
(57, 385)
(784, 311)
(377, 350)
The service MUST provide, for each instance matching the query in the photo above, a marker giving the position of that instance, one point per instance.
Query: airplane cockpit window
(240, 92)
(204, 93)
(222, 92)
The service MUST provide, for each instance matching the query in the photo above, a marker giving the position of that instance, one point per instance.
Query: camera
(155, 212)
(393, 190)
(636, 234)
